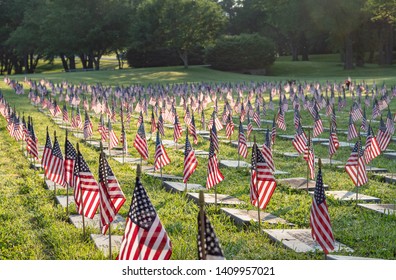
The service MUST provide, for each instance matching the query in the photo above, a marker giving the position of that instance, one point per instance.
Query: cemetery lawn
(35, 227)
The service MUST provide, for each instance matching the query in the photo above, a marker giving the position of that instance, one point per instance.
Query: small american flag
(70, 160)
(144, 237)
(229, 127)
(267, 152)
(140, 142)
(65, 114)
(88, 127)
(86, 189)
(383, 136)
(334, 144)
(280, 120)
(390, 124)
(309, 157)
(190, 161)
(356, 167)
(161, 158)
(46, 153)
(177, 129)
(111, 196)
(352, 132)
(32, 141)
(319, 219)
(160, 125)
(273, 132)
(364, 126)
(210, 249)
(214, 174)
(318, 125)
(249, 127)
(153, 123)
(376, 110)
(103, 130)
(213, 138)
(55, 169)
(372, 149)
(113, 139)
(192, 130)
(124, 140)
(300, 139)
(262, 182)
(256, 116)
(242, 145)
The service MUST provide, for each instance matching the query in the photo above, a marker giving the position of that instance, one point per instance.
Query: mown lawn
(36, 228)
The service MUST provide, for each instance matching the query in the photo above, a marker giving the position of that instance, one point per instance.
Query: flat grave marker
(172, 144)
(129, 160)
(235, 143)
(234, 163)
(223, 199)
(144, 168)
(291, 154)
(164, 177)
(346, 258)
(113, 152)
(387, 209)
(242, 216)
(64, 200)
(328, 161)
(102, 243)
(342, 144)
(203, 132)
(76, 220)
(300, 240)
(390, 155)
(300, 183)
(372, 169)
(181, 187)
(350, 196)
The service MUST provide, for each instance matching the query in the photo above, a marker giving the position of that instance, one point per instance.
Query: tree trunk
(389, 44)
(83, 59)
(184, 56)
(90, 61)
(348, 64)
(72, 62)
(119, 60)
(304, 47)
(64, 62)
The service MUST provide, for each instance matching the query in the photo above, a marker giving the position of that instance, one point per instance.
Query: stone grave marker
(223, 199)
(390, 155)
(387, 209)
(180, 187)
(342, 144)
(113, 152)
(350, 196)
(286, 137)
(291, 154)
(78, 135)
(327, 161)
(102, 243)
(300, 240)
(300, 183)
(164, 177)
(235, 143)
(172, 144)
(64, 200)
(234, 163)
(129, 160)
(242, 216)
(76, 220)
(372, 169)
(145, 168)
(203, 132)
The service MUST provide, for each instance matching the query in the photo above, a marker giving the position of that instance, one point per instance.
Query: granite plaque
(181, 187)
(242, 216)
(210, 198)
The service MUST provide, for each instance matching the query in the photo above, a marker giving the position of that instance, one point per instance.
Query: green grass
(35, 228)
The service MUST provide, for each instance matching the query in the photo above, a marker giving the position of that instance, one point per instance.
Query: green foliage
(240, 52)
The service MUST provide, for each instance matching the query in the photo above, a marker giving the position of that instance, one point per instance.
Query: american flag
(262, 182)
(161, 158)
(242, 145)
(187, 118)
(103, 129)
(364, 126)
(160, 125)
(319, 219)
(32, 141)
(249, 127)
(78, 120)
(273, 132)
(46, 153)
(111, 196)
(214, 174)
(356, 167)
(214, 138)
(144, 237)
(229, 127)
(300, 139)
(210, 249)
(86, 189)
(124, 140)
(203, 119)
(309, 157)
(352, 132)
(256, 116)
(267, 152)
(88, 127)
(153, 123)
(376, 110)
(297, 118)
(334, 144)
(65, 114)
(372, 149)
(192, 129)
(383, 136)
(140, 120)
(113, 139)
(55, 169)
(190, 161)
(140, 142)
(280, 120)
(318, 125)
(70, 160)
(356, 112)
(334, 118)
(177, 129)
(390, 124)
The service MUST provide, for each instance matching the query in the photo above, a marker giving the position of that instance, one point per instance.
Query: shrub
(241, 52)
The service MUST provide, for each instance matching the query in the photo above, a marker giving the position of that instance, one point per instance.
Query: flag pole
(67, 186)
(358, 167)
(201, 204)
(309, 150)
(107, 186)
(54, 182)
(258, 202)
(81, 204)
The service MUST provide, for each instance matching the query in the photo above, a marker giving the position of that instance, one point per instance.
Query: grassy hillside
(36, 228)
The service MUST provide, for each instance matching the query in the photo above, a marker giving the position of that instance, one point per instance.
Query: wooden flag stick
(107, 186)
(54, 182)
(309, 150)
(258, 199)
(358, 167)
(201, 204)
(67, 185)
